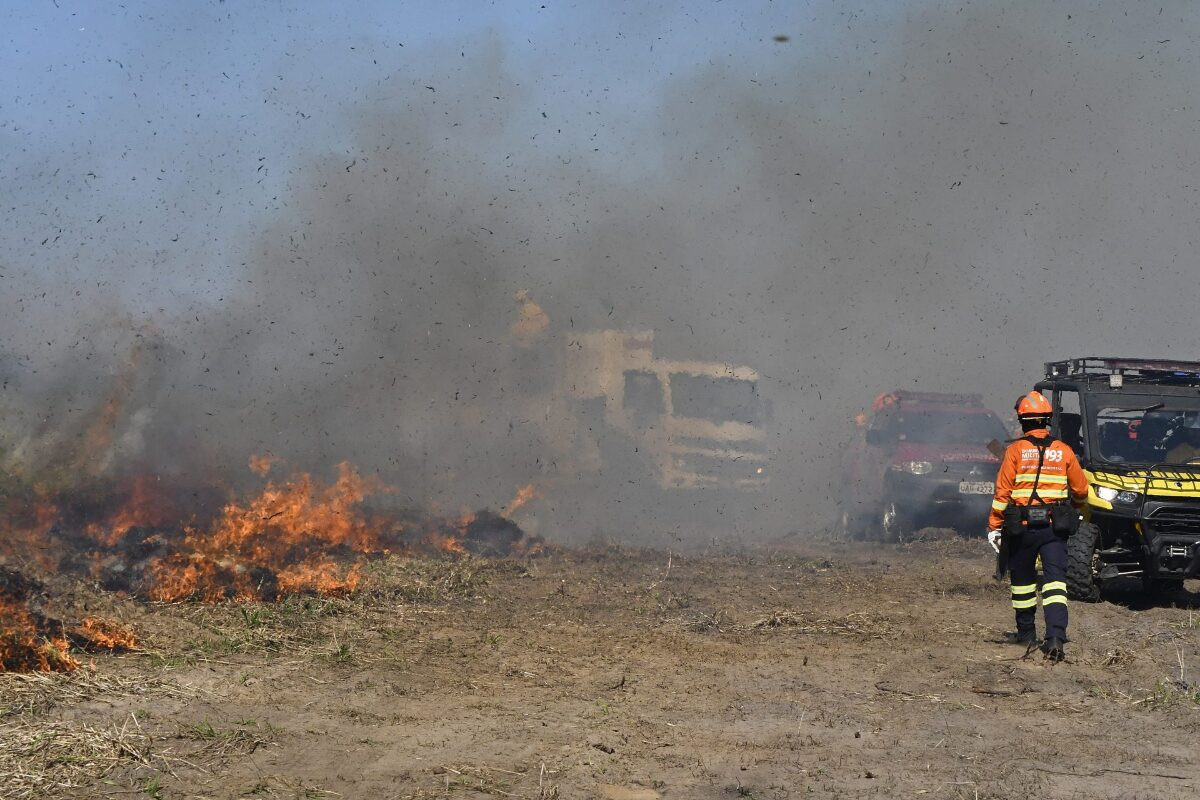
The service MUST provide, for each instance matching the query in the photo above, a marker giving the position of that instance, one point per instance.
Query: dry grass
(856, 624)
(40, 757)
(59, 759)
(428, 580)
(215, 744)
(34, 693)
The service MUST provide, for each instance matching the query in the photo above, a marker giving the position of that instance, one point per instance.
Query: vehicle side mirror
(876, 437)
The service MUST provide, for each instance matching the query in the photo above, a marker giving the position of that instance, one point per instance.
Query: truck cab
(693, 424)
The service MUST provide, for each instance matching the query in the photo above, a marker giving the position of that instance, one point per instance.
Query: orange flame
(146, 507)
(261, 464)
(524, 495)
(105, 634)
(296, 535)
(24, 649)
(279, 541)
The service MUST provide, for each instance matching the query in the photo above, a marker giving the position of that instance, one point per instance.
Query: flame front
(294, 536)
(280, 542)
(105, 634)
(144, 508)
(25, 648)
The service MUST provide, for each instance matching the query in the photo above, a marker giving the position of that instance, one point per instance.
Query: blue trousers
(1023, 551)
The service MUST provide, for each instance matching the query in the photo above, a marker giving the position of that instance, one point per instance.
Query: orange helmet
(1033, 404)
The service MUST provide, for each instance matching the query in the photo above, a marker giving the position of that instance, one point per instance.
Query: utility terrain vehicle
(1135, 426)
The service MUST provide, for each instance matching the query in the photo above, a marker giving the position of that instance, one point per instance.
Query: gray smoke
(923, 195)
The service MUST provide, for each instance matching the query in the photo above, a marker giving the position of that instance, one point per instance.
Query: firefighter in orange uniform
(1038, 490)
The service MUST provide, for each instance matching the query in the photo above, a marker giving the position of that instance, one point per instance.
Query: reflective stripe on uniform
(998, 506)
(1032, 477)
(1054, 592)
(1024, 596)
(1045, 494)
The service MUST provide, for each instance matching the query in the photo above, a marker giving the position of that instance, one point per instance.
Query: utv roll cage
(1115, 372)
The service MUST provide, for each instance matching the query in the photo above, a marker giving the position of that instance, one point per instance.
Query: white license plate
(976, 487)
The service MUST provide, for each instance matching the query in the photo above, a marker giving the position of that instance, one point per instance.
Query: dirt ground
(802, 669)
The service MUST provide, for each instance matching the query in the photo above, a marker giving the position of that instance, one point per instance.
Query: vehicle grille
(728, 471)
(1176, 520)
(705, 443)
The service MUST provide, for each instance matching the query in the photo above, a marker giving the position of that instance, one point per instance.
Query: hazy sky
(343, 197)
(141, 113)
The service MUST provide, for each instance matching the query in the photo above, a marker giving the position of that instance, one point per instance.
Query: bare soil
(802, 669)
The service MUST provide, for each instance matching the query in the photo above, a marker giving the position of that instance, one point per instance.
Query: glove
(993, 538)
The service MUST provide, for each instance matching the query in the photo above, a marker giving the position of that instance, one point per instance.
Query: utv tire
(1081, 557)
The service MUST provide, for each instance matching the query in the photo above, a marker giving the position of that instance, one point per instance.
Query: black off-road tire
(1081, 556)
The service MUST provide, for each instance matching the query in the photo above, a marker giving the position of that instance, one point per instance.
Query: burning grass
(296, 535)
(30, 641)
(28, 644)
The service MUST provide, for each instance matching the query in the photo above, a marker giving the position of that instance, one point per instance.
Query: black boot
(1053, 648)
(1023, 638)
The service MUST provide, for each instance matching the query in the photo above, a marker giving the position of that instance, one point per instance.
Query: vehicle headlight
(1111, 495)
(915, 467)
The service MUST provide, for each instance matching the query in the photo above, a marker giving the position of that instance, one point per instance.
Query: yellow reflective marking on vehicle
(1164, 482)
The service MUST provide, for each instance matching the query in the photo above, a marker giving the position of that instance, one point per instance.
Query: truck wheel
(895, 523)
(1081, 564)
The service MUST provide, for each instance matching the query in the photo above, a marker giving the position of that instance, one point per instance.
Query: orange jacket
(1061, 477)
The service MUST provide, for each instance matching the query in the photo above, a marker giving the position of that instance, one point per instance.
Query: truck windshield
(947, 427)
(716, 399)
(1145, 429)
